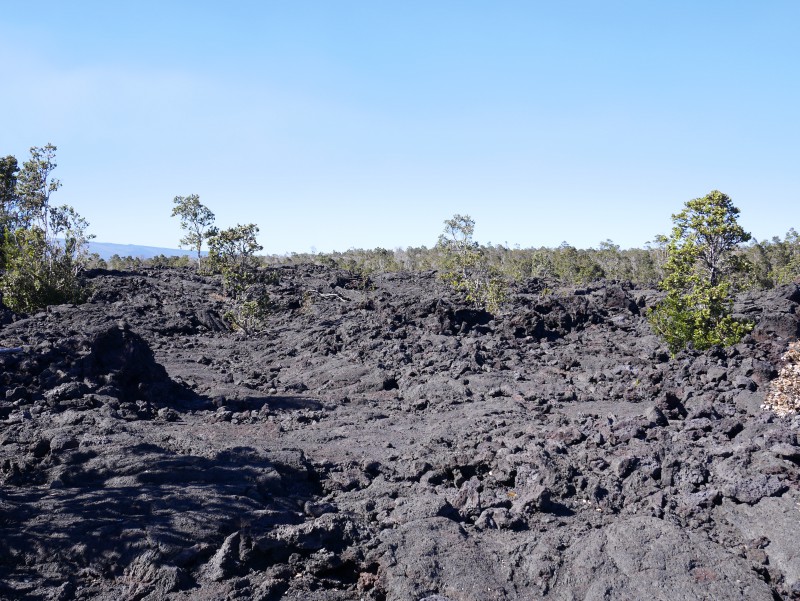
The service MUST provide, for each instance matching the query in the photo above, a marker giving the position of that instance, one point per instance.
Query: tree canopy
(700, 260)
(44, 247)
(197, 221)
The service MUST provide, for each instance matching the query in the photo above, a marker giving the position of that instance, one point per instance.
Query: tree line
(766, 264)
(770, 263)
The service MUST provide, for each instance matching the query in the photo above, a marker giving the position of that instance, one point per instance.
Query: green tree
(35, 185)
(460, 252)
(232, 253)
(44, 247)
(700, 257)
(8, 189)
(8, 200)
(197, 221)
(575, 266)
(464, 266)
(644, 270)
(786, 267)
(776, 261)
(709, 228)
(612, 261)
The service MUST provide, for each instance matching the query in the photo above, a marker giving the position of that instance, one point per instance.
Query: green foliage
(378, 261)
(171, 262)
(249, 314)
(95, 261)
(707, 231)
(232, 254)
(463, 265)
(785, 266)
(35, 185)
(575, 266)
(32, 281)
(44, 248)
(763, 264)
(8, 189)
(489, 292)
(460, 254)
(127, 263)
(772, 262)
(197, 221)
(642, 266)
(8, 199)
(612, 262)
(700, 318)
(700, 261)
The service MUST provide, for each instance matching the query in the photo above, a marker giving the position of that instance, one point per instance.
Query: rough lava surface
(381, 440)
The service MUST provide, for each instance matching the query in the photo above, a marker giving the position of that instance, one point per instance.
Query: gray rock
(438, 557)
(382, 439)
(769, 520)
(752, 489)
(648, 558)
(226, 561)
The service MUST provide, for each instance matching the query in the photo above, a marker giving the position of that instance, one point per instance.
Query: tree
(708, 227)
(197, 221)
(44, 248)
(787, 265)
(464, 266)
(644, 269)
(8, 201)
(8, 189)
(613, 263)
(575, 266)
(234, 249)
(776, 262)
(232, 253)
(35, 184)
(700, 256)
(461, 252)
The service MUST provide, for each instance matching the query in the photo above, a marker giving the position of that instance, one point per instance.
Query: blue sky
(339, 124)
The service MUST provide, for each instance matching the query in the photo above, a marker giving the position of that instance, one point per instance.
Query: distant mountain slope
(107, 249)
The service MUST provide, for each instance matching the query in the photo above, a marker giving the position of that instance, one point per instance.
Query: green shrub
(699, 268)
(463, 266)
(44, 248)
(700, 319)
(232, 254)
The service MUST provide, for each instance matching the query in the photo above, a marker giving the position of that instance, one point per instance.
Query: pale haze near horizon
(337, 125)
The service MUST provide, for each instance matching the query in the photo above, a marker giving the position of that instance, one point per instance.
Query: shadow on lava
(271, 402)
(559, 510)
(147, 497)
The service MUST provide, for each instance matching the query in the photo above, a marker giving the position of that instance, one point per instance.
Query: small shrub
(249, 315)
(463, 266)
(701, 319)
(232, 254)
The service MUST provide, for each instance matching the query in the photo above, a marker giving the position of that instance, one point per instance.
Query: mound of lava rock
(105, 363)
(381, 439)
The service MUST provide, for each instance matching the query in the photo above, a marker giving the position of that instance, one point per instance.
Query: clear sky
(335, 124)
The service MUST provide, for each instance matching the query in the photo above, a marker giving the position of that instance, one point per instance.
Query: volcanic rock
(382, 439)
